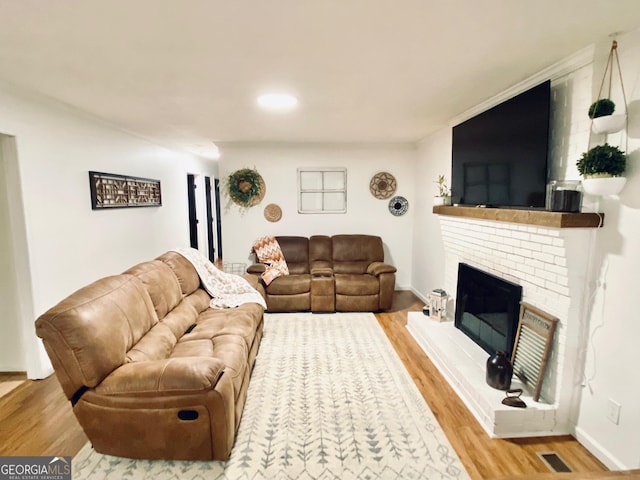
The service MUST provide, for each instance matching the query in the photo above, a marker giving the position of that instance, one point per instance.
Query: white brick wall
(549, 264)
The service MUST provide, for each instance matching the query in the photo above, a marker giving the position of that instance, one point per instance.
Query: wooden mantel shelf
(540, 218)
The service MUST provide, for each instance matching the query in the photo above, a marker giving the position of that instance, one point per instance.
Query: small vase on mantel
(441, 200)
(499, 371)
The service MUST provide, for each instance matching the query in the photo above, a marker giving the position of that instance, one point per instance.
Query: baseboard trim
(598, 451)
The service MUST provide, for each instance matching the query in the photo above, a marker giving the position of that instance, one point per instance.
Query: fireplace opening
(487, 309)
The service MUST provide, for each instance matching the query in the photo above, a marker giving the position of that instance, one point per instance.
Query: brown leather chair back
(352, 254)
(84, 347)
(296, 253)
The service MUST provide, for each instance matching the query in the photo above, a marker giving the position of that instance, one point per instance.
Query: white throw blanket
(226, 290)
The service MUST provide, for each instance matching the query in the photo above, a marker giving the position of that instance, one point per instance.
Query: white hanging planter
(603, 185)
(609, 123)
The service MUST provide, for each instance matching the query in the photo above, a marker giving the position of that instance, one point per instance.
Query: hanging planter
(601, 111)
(609, 123)
(602, 166)
(603, 185)
(245, 188)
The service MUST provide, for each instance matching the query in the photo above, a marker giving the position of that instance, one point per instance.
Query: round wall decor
(382, 185)
(398, 206)
(246, 187)
(272, 212)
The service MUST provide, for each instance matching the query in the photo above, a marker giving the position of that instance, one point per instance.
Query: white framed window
(322, 190)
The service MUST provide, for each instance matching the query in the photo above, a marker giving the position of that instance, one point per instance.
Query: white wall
(11, 354)
(434, 158)
(67, 244)
(612, 354)
(365, 214)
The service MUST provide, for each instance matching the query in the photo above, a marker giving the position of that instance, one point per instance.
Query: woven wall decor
(382, 185)
(245, 188)
(398, 206)
(272, 212)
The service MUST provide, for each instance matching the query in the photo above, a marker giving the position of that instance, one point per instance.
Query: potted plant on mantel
(602, 117)
(444, 194)
(601, 168)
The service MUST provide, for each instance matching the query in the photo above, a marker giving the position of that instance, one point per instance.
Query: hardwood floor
(36, 418)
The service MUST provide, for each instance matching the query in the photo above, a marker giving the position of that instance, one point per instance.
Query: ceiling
(185, 73)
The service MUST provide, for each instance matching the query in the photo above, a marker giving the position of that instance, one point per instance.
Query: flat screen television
(499, 157)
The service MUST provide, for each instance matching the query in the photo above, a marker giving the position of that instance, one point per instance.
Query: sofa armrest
(378, 268)
(171, 375)
(321, 271)
(256, 268)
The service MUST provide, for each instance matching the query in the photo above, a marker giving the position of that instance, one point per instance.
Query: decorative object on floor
(533, 346)
(565, 196)
(605, 164)
(398, 206)
(499, 371)
(512, 398)
(272, 212)
(382, 185)
(329, 398)
(109, 190)
(245, 188)
(438, 304)
(444, 194)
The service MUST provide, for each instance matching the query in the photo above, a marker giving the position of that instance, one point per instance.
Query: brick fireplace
(551, 264)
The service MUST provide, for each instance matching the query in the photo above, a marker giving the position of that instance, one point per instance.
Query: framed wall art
(109, 190)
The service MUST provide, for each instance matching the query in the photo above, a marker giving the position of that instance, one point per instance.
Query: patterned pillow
(268, 252)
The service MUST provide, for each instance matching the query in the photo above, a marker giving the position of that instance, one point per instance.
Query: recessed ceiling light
(277, 101)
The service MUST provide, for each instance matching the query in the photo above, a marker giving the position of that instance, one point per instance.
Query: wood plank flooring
(36, 418)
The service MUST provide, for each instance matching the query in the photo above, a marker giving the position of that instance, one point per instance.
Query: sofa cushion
(157, 344)
(357, 285)
(353, 253)
(290, 285)
(296, 253)
(174, 375)
(87, 335)
(183, 270)
(161, 283)
(230, 349)
(242, 321)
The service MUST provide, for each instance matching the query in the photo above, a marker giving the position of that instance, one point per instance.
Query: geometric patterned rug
(329, 398)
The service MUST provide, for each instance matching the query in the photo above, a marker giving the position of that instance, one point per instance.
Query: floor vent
(554, 462)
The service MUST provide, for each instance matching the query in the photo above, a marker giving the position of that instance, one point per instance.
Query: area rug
(329, 398)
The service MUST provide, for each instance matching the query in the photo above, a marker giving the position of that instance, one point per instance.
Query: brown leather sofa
(344, 273)
(151, 371)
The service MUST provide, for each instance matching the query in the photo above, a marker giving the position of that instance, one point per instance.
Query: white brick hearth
(551, 265)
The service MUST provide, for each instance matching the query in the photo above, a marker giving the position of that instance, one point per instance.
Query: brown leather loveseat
(344, 273)
(151, 370)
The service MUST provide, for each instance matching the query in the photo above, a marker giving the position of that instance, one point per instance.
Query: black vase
(499, 371)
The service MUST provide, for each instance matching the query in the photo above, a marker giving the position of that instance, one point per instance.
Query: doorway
(202, 205)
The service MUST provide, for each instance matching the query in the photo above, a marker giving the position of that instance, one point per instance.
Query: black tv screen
(499, 157)
(487, 309)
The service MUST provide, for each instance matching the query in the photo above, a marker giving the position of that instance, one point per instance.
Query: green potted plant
(602, 118)
(602, 168)
(444, 194)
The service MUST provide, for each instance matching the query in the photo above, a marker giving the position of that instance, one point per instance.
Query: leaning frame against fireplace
(487, 309)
